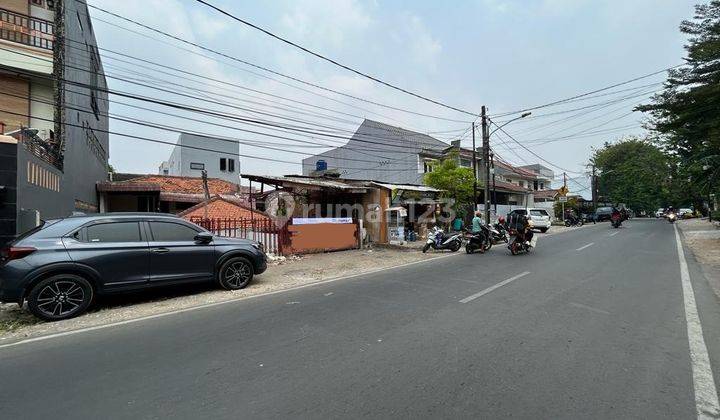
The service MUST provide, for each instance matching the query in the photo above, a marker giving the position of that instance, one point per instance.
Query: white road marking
(706, 397)
(585, 246)
(589, 308)
(491, 288)
(614, 233)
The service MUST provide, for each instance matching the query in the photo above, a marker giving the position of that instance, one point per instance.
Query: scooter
(499, 234)
(476, 242)
(518, 244)
(437, 239)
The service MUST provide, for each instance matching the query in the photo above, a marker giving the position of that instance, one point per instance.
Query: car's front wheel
(235, 273)
(61, 296)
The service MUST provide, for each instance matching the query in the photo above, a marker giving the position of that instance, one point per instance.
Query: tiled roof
(545, 193)
(219, 207)
(172, 184)
(509, 186)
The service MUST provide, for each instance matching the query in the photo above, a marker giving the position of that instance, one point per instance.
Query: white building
(188, 158)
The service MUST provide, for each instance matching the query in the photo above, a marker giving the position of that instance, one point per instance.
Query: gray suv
(60, 266)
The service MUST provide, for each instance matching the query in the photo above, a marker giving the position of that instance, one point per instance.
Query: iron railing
(26, 30)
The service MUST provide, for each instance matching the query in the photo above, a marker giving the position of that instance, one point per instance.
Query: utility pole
(486, 162)
(593, 185)
(475, 171)
(494, 193)
(564, 189)
(206, 190)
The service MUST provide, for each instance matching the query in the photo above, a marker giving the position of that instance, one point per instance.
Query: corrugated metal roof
(407, 187)
(301, 180)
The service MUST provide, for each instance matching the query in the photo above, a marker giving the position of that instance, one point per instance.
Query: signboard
(563, 191)
(562, 199)
(318, 220)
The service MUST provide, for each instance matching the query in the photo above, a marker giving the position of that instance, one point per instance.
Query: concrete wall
(378, 152)
(182, 158)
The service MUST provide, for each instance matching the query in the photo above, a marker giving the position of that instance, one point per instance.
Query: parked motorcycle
(437, 239)
(574, 221)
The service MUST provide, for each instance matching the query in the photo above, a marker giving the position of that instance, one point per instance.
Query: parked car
(60, 266)
(540, 217)
(659, 213)
(685, 213)
(603, 213)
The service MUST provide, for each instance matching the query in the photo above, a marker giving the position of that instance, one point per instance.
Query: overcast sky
(503, 54)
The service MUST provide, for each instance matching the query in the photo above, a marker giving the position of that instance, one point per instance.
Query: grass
(14, 319)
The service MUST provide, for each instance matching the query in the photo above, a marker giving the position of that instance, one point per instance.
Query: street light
(526, 114)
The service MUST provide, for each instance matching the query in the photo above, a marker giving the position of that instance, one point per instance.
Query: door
(175, 256)
(117, 250)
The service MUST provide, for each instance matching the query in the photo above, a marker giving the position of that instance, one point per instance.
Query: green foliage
(686, 114)
(455, 181)
(634, 172)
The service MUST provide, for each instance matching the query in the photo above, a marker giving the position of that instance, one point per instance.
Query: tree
(455, 181)
(686, 114)
(634, 172)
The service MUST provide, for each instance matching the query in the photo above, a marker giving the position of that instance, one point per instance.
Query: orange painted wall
(322, 237)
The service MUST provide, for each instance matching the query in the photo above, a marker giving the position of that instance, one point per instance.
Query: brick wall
(15, 86)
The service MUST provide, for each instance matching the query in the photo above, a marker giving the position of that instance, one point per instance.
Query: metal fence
(26, 30)
(273, 237)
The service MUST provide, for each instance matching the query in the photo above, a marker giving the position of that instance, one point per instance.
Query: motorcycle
(672, 217)
(616, 220)
(574, 221)
(518, 243)
(499, 234)
(476, 242)
(437, 239)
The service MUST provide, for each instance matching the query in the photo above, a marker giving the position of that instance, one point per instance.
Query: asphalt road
(592, 324)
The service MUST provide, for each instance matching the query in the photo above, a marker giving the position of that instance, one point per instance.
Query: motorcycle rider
(477, 222)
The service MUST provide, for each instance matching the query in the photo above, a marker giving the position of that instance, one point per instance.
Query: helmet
(530, 223)
(501, 220)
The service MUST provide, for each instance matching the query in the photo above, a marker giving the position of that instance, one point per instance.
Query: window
(171, 232)
(465, 162)
(538, 213)
(427, 166)
(198, 166)
(542, 185)
(520, 183)
(114, 232)
(223, 164)
(231, 165)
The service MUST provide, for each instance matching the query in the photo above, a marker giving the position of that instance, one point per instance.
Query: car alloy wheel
(60, 297)
(236, 273)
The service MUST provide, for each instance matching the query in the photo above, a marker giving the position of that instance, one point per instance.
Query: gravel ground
(703, 239)
(16, 322)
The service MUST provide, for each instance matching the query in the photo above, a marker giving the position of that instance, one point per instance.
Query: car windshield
(538, 213)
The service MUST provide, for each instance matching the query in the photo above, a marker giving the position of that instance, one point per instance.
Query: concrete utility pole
(475, 171)
(564, 189)
(206, 190)
(494, 192)
(593, 185)
(486, 162)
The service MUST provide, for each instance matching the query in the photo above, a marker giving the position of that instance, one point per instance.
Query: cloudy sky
(504, 54)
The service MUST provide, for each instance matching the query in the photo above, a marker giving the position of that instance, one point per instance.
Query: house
(322, 197)
(194, 153)
(218, 207)
(54, 117)
(163, 193)
(380, 152)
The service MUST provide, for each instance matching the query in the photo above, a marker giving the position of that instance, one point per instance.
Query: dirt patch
(16, 322)
(703, 239)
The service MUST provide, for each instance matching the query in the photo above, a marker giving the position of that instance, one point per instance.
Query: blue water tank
(321, 165)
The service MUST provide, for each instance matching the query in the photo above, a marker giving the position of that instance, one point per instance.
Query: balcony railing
(26, 30)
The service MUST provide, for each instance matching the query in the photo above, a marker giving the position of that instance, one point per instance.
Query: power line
(248, 63)
(330, 60)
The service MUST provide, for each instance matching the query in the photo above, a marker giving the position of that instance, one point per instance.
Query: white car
(660, 213)
(540, 218)
(682, 212)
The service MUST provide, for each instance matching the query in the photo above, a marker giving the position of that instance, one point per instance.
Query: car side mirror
(204, 237)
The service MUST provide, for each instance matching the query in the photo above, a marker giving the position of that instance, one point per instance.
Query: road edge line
(706, 397)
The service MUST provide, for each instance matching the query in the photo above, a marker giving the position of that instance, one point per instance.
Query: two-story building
(53, 113)
(194, 154)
